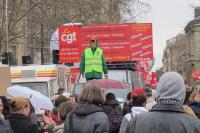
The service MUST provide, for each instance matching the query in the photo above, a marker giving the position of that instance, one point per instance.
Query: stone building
(182, 52)
(173, 54)
(192, 55)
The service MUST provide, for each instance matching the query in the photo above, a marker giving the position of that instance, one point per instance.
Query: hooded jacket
(87, 118)
(127, 117)
(167, 116)
(93, 74)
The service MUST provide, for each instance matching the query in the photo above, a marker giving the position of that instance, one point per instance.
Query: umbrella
(44, 101)
(109, 83)
(38, 100)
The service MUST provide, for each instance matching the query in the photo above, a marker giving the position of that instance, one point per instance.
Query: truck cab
(42, 78)
(121, 71)
(46, 86)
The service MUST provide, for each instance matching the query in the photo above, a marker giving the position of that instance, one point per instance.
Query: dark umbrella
(109, 83)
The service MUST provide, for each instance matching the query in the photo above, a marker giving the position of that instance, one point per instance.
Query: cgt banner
(69, 44)
(112, 39)
(120, 42)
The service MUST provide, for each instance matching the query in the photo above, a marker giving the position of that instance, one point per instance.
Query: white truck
(122, 71)
(42, 78)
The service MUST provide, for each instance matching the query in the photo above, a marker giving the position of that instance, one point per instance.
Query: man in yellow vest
(93, 62)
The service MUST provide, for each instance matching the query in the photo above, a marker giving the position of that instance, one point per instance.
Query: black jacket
(196, 108)
(21, 124)
(164, 118)
(87, 118)
(114, 112)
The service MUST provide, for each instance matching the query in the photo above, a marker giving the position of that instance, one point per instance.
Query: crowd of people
(174, 109)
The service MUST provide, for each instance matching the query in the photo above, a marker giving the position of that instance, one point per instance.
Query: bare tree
(36, 20)
(16, 12)
(132, 9)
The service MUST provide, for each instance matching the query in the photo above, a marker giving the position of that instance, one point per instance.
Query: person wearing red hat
(93, 63)
(137, 91)
(138, 102)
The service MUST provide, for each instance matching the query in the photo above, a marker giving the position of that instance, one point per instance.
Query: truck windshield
(119, 93)
(42, 87)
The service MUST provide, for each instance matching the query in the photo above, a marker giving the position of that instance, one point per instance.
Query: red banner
(112, 39)
(69, 44)
(120, 42)
(74, 74)
(196, 75)
(141, 43)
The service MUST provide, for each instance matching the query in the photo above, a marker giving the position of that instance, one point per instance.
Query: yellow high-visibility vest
(93, 61)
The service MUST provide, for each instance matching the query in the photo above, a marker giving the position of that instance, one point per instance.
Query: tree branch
(16, 37)
(15, 23)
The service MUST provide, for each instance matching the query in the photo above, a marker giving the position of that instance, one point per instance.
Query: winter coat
(196, 108)
(20, 124)
(114, 112)
(4, 126)
(59, 129)
(86, 118)
(6, 107)
(51, 127)
(93, 74)
(150, 103)
(129, 116)
(126, 109)
(164, 118)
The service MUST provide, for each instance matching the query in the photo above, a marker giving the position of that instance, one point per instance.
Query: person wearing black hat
(114, 112)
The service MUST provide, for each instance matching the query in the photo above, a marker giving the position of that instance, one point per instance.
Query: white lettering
(149, 52)
(147, 46)
(146, 37)
(136, 36)
(69, 38)
(135, 45)
(138, 52)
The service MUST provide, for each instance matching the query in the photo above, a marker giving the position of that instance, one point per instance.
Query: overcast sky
(169, 17)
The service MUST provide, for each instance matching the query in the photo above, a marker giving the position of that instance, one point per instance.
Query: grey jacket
(4, 126)
(87, 118)
(59, 129)
(164, 118)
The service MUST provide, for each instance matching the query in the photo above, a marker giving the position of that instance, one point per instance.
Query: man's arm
(105, 70)
(82, 64)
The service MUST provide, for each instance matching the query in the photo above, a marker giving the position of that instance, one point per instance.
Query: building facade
(182, 52)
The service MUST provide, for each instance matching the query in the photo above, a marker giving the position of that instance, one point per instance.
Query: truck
(46, 79)
(122, 44)
(120, 71)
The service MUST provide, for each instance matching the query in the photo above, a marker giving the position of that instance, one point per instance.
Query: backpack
(115, 118)
(131, 124)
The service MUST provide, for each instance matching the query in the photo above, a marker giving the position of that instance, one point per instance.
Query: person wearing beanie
(168, 115)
